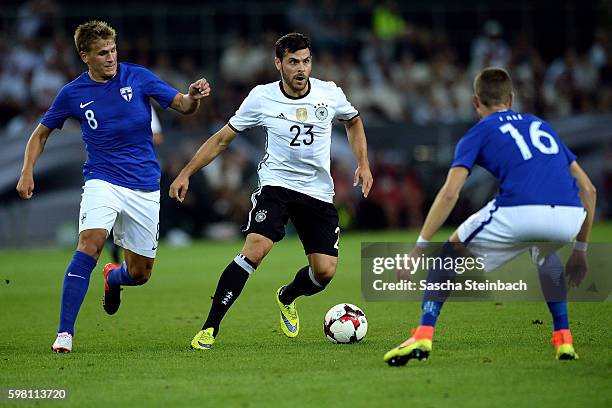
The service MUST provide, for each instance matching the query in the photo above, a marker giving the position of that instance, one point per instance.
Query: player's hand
(576, 268)
(363, 173)
(179, 188)
(25, 186)
(199, 89)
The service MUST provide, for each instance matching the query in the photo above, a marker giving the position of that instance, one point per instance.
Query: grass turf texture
(484, 354)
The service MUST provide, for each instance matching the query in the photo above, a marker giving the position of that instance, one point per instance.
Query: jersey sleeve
(59, 111)
(468, 148)
(344, 110)
(248, 114)
(158, 89)
(569, 155)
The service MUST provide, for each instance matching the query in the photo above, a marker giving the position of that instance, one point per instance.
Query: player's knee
(140, 273)
(90, 244)
(324, 272)
(256, 249)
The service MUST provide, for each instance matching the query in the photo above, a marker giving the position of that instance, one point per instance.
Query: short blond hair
(88, 33)
(493, 86)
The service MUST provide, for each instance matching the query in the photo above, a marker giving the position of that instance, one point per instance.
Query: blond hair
(88, 33)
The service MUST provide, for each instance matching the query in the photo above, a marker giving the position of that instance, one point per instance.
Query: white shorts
(132, 214)
(499, 234)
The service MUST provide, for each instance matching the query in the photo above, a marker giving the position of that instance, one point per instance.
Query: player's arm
(205, 154)
(189, 102)
(33, 150)
(357, 140)
(588, 196)
(576, 266)
(444, 202)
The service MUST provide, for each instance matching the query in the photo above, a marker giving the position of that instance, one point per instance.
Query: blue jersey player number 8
(91, 119)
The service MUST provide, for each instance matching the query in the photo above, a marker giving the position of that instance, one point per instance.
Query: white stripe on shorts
(254, 201)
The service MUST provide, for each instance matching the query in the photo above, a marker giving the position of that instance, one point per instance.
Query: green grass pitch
(484, 354)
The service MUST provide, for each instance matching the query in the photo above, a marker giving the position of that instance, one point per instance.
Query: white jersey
(298, 134)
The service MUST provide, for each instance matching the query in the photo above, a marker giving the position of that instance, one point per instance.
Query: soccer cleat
(418, 346)
(63, 343)
(112, 295)
(562, 340)
(203, 340)
(289, 319)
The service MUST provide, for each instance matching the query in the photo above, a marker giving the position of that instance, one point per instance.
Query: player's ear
(277, 62)
(475, 102)
(83, 56)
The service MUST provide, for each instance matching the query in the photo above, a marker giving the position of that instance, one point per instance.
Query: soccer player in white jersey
(121, 192)
(294, 180)
(544, 197)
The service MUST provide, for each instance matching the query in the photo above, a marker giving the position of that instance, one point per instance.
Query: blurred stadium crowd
(392, 69)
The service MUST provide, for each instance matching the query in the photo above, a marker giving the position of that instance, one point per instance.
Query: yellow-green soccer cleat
(418, 346)
(289, 319)
(566, 352)
(562, 340)
(408, 350)
(203, 340)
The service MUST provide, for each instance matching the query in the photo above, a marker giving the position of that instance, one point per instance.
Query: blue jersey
(527, 157)
(115, 119)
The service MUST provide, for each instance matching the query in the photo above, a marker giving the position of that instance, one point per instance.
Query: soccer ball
(345, 323)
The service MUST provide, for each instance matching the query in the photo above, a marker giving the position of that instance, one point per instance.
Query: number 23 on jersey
(306, 140)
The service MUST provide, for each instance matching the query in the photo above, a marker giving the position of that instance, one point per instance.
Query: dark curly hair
(291, 42)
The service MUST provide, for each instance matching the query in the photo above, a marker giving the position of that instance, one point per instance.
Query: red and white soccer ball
(345, 323)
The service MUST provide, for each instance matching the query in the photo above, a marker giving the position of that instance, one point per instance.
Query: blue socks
(434, 300)
(120, 277)
(431, 311)
(76, 282)
(552, 281)
(558, 310)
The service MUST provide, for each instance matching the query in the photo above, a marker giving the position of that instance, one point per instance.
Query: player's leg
(234, 278)
(230, 285)
(419, 344)
(316, 223)
(134, 271)
(310, 279)
(266, 225)
(481, 226)
(551, 271)
(137, 231)
(98, 211)
(76, 283)
(552, 282)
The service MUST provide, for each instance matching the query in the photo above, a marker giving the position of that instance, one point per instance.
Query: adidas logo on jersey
(281, 116)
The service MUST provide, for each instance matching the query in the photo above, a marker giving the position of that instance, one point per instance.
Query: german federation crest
(126, 93)
(321, 111)
(260, 216)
